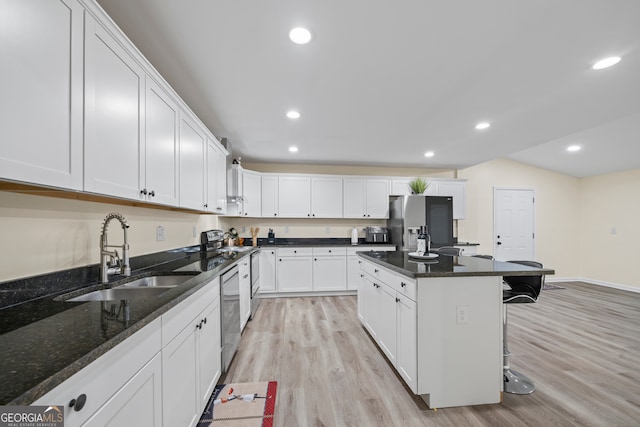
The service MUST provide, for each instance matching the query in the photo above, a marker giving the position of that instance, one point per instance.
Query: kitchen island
(439, 322)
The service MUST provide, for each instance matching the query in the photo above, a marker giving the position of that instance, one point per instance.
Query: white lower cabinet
(191, 359)
(137, 403)
(407, 351)
(267, 270)
(244, 271)
(329, 269)
(294, 270)
(389, 314)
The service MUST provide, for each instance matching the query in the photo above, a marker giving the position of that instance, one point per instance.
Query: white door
(269, 196)
(513, 224)
(251, 191)
(192, 163)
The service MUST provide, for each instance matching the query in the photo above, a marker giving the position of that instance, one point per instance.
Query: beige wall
(556, 210)
(607, 202)
(45, 234)
(299, 227)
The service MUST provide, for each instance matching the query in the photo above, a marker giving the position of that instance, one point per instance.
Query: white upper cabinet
(160, 164)
(192, 164)
(326, 197)
(252, 206)
(269, 196)
(294, 196)
(457, 190)
(366, 198)
(114, 112)
(216, 178)
(41, 101)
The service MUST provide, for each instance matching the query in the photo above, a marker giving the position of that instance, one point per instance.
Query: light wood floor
(580, 345)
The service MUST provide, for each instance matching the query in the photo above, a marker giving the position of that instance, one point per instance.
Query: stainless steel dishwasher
(230, 314)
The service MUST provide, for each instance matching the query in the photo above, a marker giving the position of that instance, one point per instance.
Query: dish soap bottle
(354, 236)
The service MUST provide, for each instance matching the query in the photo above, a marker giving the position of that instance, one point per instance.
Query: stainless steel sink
(121, 293)
(144, 287)
(157, 281)
(236, 249)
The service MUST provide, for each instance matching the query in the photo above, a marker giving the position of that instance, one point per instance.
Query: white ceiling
(382, 82)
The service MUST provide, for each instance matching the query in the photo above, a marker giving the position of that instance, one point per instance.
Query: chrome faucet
(110, 262)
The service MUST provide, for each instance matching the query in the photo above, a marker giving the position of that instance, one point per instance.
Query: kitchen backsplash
(300, 227)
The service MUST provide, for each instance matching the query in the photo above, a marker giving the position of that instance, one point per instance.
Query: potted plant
(418, 185)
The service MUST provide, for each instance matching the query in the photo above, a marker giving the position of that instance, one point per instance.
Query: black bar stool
(521, 290)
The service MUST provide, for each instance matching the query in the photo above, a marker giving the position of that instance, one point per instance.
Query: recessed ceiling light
(293, 149)
(293, 114)
(573, 148)
(429, 154)
(606, 62)
(300, 35)
(482, 125)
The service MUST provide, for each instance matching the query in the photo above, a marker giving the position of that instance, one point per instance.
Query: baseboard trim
(595, 282)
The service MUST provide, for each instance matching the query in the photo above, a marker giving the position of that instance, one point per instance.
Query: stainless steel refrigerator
(408, 213)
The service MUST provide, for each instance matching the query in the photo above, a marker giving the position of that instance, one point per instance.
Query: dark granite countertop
(449, 266)
(44, 340)
(312, 242)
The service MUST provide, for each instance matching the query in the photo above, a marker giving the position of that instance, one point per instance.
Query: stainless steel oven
(255, 282)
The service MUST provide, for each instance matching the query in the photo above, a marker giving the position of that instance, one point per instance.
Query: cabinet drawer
(295, 252)
(400, 283)
(396, 281)
(330, 251)
(176, 319)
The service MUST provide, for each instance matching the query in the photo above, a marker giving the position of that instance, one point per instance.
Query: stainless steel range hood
(234, 184)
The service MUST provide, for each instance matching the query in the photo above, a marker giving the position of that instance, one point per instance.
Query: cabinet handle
(275, 214)
(315, 259)
(245, 214)
(314, 214)
(206, 205)
(78, 403)
(205, 320)
(397, 299)
(144, 192)
(295, 252)
(218, 208)
(403, 284)
(375, 270)
(308, 214)
(152, 193)
(280, 259)
(329, 250)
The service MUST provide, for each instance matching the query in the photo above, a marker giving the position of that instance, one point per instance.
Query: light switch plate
(160, 234)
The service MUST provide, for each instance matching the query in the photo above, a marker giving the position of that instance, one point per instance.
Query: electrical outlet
(327, 230)
(195, 233)
(462, 314)
(286, 229)
(613, 230)
(160, 234)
